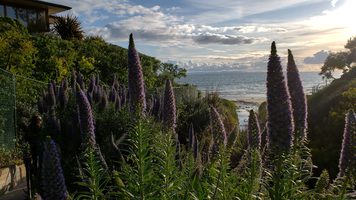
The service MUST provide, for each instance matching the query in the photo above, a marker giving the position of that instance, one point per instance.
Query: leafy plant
(68, 27)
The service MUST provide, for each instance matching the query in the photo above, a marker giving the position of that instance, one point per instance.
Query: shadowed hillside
(327, 110)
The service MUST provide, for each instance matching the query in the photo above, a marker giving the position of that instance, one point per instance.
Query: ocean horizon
(247, 89)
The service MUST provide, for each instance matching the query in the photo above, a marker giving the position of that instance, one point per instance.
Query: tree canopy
(342, 60)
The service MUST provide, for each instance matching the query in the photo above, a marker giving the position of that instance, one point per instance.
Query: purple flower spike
(279, 110)
(98, 94)
(40, 105)
(51, 96)
(298, 98)
(137, 97)
(218, 128)
(63, 94)
(196, 148)
(115, 83)
(118, 103)
(52, 179)
(156, 106)
(104, 101)
(254, 132)
(91, 84)
(169, 107)
(65, 83)
(90, 97)
(348, 151)
(74, 79)
(112, 94)
(80, 81)
(85, 116)
(54, 87)
(191, 136)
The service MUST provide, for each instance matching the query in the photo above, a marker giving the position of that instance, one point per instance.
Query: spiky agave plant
(347, 162)
(169, 107)
(52, 180)
(298, 99)
(137, 97)
(279, 110)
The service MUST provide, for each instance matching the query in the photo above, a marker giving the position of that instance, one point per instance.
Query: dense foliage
(326, 118)
(94, 145)
(43, 58)
(119, 154)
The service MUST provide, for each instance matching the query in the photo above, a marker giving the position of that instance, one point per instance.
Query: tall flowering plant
(137, 96)
(279, 110)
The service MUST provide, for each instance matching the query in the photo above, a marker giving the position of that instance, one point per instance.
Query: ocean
(247, 89)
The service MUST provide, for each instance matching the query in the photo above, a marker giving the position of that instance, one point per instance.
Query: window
(36, 20)
(33, 19)
(2, 11)
(11, 12)
(22, 15)
(41, 20)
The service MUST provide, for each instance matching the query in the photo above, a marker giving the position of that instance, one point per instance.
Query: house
(35, 15)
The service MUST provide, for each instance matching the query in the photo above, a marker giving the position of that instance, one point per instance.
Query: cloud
(317, 58)
(207, 38)
(153, 25)
(333, 2)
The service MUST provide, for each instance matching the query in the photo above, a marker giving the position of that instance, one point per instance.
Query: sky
(225, 34)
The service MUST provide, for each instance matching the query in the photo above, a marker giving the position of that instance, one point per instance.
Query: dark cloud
(317, 58)
(223, 39)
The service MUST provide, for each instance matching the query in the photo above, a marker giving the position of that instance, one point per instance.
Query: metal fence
(7, 109)
(17, 93)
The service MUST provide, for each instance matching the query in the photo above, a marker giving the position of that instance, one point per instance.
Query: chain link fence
(18, 96)
(7, 109)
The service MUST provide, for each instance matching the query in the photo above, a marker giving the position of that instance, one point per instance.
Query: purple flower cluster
(218, 128)
(52, 179)
(191, 136)
(348, 152)
(279, 110)
(254, 132)
(51, 95)
(63, 94)
(298, 98)
(218, 131)
(137, 97)
(169, 107)
(85, 116)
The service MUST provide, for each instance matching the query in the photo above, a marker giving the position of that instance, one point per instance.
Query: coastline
(243, 108)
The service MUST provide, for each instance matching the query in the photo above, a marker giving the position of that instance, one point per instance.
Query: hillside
(327, 110)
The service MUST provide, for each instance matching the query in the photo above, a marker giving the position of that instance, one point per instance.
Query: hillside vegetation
(327, 109)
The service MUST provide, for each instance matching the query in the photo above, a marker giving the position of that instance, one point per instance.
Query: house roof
(52, 7)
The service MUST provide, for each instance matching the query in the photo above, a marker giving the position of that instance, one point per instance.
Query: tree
(342, 60)
(17, 52)
(68, 27)
(170, 71)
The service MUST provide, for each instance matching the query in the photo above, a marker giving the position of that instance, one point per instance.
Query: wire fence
(18, 94)
(7, 109)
